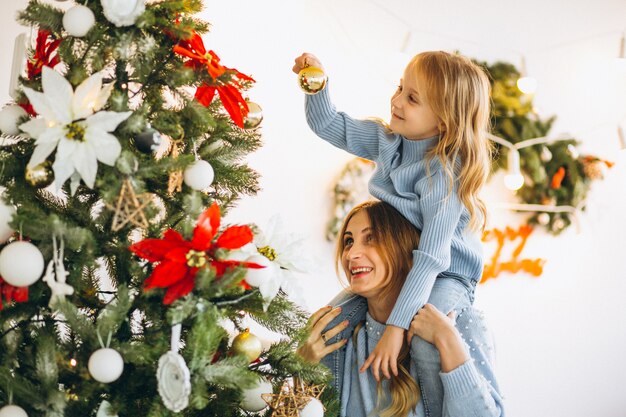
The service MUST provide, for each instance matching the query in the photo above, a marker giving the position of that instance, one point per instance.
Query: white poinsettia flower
(71, 123)
(283, 256)
(122, 12)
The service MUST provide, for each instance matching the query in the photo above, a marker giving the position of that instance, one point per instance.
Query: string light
(73, 362)
(526, 84)
(513, 180)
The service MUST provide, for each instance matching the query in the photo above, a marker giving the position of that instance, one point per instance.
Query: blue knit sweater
(427, 201)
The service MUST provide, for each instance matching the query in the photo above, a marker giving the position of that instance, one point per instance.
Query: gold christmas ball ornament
(248, 345)
(40, 176)
(254, 117)
(312, 80)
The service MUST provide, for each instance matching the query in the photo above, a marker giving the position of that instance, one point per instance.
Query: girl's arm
(440, 212)
(467, 375)
(359, 137)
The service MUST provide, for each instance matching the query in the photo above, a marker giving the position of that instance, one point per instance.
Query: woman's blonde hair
(395, 239)
(458, 92)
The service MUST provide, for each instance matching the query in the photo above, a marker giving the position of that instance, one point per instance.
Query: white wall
(561, 337)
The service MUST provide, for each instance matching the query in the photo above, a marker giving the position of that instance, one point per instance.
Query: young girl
(431, 162)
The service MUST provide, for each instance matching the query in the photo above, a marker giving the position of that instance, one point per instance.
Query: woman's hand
(431, 324)
(438, 329)
(315, 347)
(306, 60)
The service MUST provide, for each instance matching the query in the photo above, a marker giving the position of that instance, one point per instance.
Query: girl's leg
(448, 294)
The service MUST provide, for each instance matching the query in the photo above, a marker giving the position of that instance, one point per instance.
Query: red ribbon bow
(236, 106)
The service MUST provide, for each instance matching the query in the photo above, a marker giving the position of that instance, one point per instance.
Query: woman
(374, 250)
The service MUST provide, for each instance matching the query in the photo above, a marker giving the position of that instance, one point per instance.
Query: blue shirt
(469, 390)
(424, 196)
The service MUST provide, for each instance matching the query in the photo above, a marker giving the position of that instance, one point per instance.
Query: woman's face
(361, 260)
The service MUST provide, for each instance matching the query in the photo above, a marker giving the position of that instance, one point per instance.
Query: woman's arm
(466, 350)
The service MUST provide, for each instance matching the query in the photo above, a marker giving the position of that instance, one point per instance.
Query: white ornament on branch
(199, 175)
(56, 275)
(12, 411)
(72, 124)
(9, 118)
(105, 410)
(173, 376)
(252, 400)
(78, 21)
(122, 12)
(21, 264)
(106, 365)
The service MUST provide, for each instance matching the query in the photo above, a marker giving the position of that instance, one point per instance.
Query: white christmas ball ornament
(6, 214)
(78, 21)
(257, 276)
(12, 411)
(21, 264)
(199, 175)
(106, 365)
(314, 408)
(252, 400)
(9, 117)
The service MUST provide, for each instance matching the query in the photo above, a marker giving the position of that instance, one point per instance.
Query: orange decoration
(514, 265)
(557, 179)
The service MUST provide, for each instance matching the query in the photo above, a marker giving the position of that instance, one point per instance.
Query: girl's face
(411, 115)
(360, 258)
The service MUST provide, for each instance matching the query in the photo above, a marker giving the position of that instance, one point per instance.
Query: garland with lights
(549, 175)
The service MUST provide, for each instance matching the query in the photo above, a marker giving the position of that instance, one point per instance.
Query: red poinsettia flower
(236, 106)
(11, 293)
(45, 54)
(180, 259)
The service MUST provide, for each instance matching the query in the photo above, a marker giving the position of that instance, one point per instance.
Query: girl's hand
(315, 347)
(431, 324)
(385, 355)
(306, 60)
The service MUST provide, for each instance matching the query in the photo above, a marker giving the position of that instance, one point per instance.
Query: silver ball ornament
(254, 116)
(148, 141)
(199, 175)
(21, 264)
(252, 400)
(9, 117)
(106, 365)
(78, 21)
(12, 411)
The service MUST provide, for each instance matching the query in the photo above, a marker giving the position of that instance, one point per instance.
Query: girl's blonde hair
(395, 239)
(458, 92)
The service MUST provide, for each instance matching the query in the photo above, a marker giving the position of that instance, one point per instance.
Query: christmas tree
(120, 284)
